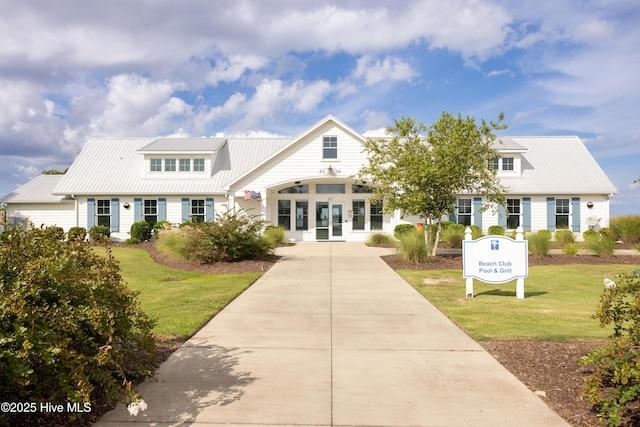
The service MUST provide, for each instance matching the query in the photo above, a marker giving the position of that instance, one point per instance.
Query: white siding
(58, 214)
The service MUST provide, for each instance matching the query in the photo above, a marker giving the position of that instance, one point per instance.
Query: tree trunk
(436, 240)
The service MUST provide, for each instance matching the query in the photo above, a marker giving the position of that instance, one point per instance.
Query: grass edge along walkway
(559, 304)
(181, 302)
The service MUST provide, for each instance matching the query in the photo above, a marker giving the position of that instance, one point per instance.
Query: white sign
(495, 259)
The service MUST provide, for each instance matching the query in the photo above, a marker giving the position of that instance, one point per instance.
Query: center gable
(329, 143)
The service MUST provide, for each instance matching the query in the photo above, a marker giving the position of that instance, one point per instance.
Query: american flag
(252, 195)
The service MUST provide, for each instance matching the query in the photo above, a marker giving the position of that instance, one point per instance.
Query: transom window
(104, 212)
(513, 210)
(185, 165)
(562, 214)
(464, 211)
(197, 210)
(330, 147)
(298, 189)
(329, 188)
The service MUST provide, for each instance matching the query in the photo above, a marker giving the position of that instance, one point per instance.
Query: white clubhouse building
(304, 184)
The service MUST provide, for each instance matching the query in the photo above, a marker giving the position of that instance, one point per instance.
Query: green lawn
(179, 301)
(558, 305)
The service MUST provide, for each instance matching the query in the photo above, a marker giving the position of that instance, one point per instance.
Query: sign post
(495, 259)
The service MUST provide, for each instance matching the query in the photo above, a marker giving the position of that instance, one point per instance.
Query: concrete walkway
(331, 336)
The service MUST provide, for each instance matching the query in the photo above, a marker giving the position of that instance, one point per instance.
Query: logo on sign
(495, 245)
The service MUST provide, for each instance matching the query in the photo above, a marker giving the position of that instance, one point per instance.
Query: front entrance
(329, 220)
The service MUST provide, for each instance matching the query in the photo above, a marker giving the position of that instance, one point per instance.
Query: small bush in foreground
(412, 247)
(70, 329)
(614, 385)
(77, 233)
(602, 246)
(627, 229)
(454, 235)
(590, 233)
(539, 243)
(141, 231)
(233, 236)
(274, 235)
(564, 237)
(496, 230)
(100, 234)
(173, 242)
(402, 228)
(380, 239)
(159, 226)
(570, 249)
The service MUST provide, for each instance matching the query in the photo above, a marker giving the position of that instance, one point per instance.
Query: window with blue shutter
(115, 215)
(502, 216)
(162, 209)
(551, 213)
(91, 213)
(477, 211)
(137, 210)
(526, 213)
(575, 214)
(185, 209)
(208, 210)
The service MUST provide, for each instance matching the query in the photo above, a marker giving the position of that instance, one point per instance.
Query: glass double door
(329, 218)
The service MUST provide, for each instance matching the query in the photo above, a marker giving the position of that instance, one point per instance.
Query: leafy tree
(422, 175)
(54, 172)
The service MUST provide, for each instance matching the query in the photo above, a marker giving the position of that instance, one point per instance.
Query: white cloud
(373, 71)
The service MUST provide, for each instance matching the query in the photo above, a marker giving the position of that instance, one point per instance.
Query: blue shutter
(162, 209)
(551, 214)
(185, 209)
(115, 215)
(91, 213)
(526, 213)
(137, 210)
(502, 217)
(477, 211)
(208, 210)
(575, 214)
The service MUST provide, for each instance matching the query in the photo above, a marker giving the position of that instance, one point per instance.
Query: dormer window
(169, 165)
(507, 163)
(156, 165)
(494, 164)
(185, 165)
(198, 165)
(329, 147)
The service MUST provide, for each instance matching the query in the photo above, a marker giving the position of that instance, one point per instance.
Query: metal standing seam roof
(185, 145)
(116, 166)
(557, 165)
(38, 190)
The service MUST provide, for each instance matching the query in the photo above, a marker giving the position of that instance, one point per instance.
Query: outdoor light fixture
(589, 205)
(126, 205)
(330, 171)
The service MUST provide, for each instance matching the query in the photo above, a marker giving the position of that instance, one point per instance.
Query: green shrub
(539, 243)
(71, 330)
(602, 246)
(496, 230)
(606, 232)
(132, 241)
(173, 242)
(54, 232)
(588, 234)
(570, 249)
(158, 226)
(233, 236)
(412, 247)
(627, 229)
(476, 232)
(100, 234)
(274, 235)
(564, 237)
(545, 233)
(141, 231)
(77, 233)
(454, 236)
(444, 225)
(402, 228)
(614, 385)
(380, 239)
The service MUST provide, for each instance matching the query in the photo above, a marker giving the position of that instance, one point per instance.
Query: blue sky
(78, 69)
